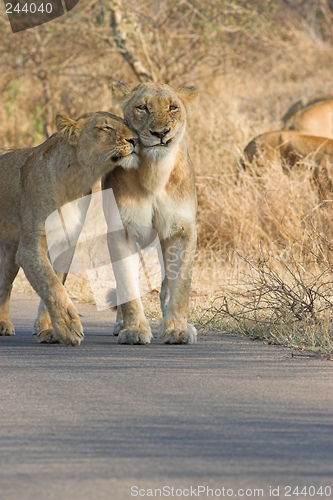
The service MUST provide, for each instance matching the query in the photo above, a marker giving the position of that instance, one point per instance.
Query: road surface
(226, 418)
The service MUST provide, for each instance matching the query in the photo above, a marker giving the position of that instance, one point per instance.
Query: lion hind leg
(8, 272)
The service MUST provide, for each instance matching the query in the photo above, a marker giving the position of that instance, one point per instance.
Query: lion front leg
(136, 329)
(178, 254)
(131, 325)
(43, 329)
(8, 272)
(66, 325)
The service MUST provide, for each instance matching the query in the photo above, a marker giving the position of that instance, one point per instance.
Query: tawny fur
(34, 183)
(304, 103)
(316, 119)
(160, 194)
(292, 146)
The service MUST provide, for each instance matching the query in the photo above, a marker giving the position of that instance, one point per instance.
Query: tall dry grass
(250, 62)
(268, 252)
(260, 216)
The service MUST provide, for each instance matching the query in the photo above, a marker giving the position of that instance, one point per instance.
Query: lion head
(101, 140)
(156, 112)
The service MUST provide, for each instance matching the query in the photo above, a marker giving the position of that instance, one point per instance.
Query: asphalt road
(104, 421)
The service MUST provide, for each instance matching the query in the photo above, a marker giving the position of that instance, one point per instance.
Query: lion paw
(137, 335)
(42, 323)
(46, 337)
(179, 335)
(6, 328)
(67, 330)
(72, 336)
(117, 328)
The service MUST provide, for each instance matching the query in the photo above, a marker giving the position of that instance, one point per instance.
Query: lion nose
(133, 141)
(161, 134)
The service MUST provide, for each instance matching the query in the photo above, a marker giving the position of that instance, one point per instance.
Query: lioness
(160, 194)
(292, 147)
(37, 181)
(304, 103)
(313, 120)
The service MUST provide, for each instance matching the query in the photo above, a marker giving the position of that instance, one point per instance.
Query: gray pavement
(94, 421)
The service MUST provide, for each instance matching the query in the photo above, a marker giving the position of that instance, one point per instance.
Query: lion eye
(142, 107)
(173, 107)
(107, 127)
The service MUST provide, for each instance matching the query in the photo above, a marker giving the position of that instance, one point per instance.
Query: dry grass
(251, 64)
(266, 246)
(277, 302)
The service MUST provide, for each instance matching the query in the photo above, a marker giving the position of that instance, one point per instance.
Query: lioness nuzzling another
(37, 181)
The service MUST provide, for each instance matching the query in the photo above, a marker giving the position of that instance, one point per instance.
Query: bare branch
(115, 23)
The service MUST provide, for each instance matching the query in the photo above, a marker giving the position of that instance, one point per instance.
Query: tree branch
(139, 70)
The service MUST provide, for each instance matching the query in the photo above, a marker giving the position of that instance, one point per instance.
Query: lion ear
(120, 92)
(68, 129)
(188, 95)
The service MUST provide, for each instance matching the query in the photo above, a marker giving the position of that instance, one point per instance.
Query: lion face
(102, 140)
(158, 117)
(157, 113)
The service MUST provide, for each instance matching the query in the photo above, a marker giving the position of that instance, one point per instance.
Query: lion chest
(165, 216)
(160, 212)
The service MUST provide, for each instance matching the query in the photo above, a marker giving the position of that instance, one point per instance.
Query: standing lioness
(160, 194)
(37, 181)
